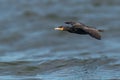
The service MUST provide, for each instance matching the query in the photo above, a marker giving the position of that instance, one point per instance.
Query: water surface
(30, 49)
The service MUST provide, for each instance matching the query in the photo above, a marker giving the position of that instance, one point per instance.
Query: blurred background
(30, 48)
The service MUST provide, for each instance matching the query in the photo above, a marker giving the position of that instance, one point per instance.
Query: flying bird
(80, 28)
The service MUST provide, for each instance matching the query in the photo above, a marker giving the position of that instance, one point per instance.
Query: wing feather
(93, 33)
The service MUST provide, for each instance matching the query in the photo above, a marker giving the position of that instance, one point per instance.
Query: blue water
(30, 48)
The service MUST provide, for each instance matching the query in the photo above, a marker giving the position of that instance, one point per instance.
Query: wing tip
(97, 37)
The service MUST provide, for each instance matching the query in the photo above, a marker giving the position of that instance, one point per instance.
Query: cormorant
(80, 28)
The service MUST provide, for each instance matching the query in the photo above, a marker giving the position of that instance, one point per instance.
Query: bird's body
(76, 30)
(80, 28)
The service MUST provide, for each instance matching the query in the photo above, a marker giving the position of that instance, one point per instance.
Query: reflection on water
(31, 49)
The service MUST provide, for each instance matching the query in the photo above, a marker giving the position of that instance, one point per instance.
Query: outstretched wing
(70, 22)
(93, 33)
(75, 24)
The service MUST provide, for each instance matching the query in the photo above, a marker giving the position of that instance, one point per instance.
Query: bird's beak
(61, 29)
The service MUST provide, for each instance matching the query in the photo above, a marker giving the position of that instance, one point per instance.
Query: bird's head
(62, 28)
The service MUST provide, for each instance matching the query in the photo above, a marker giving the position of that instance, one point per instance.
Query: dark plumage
(80, 28)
